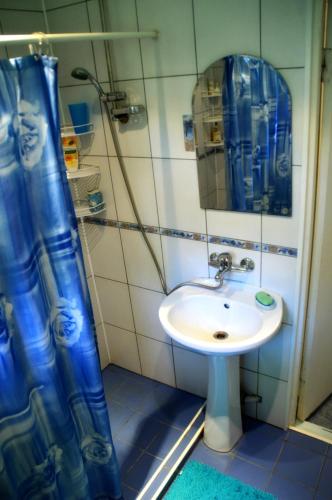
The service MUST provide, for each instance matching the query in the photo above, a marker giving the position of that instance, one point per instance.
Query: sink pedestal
(223, 424)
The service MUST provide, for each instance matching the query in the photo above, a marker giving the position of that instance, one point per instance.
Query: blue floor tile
(307, 442)
(128, 493)
(284, 489)
(205, 455)
(112, 380)
(164, 441)
(141, 472)
(329, 451)
(248, 473)
(119, 415)
(139, 430)
(133, 393)
(300, 464)
(261, 443)
(172, 406)
(325, 482)
(127, 455)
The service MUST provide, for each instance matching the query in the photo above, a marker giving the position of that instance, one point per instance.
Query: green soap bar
(264, 299)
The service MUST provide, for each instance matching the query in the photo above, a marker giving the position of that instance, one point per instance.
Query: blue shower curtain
(55, 438)
(257, 127)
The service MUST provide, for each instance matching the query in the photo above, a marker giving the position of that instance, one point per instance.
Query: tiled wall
(161, 75)
(20, 16)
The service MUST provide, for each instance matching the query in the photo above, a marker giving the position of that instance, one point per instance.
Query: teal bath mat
(200, 482)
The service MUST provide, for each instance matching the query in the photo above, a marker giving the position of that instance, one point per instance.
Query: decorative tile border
(188, 235)
(231, 242)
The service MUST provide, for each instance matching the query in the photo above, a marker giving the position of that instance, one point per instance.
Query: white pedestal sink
(222, 324)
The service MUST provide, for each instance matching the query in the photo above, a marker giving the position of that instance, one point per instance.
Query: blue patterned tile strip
(188, 235)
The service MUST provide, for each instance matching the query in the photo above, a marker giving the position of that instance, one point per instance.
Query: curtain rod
(73, 37)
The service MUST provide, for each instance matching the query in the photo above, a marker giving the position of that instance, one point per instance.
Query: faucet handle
(223, 260)
(213, 261)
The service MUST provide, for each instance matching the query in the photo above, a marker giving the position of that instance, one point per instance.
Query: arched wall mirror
(242, 121)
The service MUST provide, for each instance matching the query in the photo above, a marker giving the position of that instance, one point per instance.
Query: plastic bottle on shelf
(70, 153)
(215, 133)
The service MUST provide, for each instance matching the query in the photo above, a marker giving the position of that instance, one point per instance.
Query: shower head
(83, 74)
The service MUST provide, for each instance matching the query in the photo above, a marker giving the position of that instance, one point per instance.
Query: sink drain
(220, 335)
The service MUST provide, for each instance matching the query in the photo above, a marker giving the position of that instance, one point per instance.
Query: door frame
(316, 19)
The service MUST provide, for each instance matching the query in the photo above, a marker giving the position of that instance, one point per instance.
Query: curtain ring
(41, 47)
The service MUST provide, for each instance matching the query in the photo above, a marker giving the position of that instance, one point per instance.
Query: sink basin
(193, 317)
(221, 324)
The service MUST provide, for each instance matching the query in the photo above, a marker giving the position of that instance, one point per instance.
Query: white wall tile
(106, 254)
(22, 4)
(274, 355)
(157, 360)
(173, 53)
(85, 250)
(102, 348)
(52, 4)
(237, 225)
(249, 382)
(140, 174)
(3, 53)
(250, 277)
(91, 144)
(285, 230)
(191, 371)
(279, 275)
(94, 303)
(125, 54)
(329, 28)
(225, 27)
(14, 22)
(177, 195)
(183, 260)
(249, 360)
(123, 348)
(145, 304)
(133, 136)
(105, 184)
(296, 81)
(73, 18)
(98, 47)
(168, 99)
(272, 409)
(140, 267)
(283, 32)
(115, 303)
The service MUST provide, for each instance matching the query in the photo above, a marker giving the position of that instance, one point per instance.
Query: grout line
(195, 39)
(4, 9)
(128, 283)
(153, 174)
(136, 339)
(163, 76)
(166, 158)
(141, 335)
(80, 2)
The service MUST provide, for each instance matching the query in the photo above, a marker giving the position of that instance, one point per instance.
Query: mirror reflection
(242, 123)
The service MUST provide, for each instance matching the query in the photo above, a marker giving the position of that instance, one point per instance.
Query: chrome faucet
(223, 262)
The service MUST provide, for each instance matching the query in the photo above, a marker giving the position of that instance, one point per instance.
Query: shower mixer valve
(122, 114)
(113, 96)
